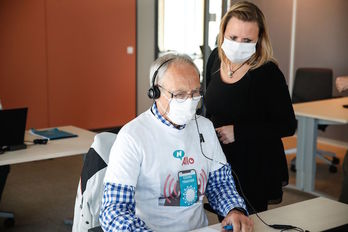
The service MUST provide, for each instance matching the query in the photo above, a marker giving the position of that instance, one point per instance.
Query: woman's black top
(259, 107)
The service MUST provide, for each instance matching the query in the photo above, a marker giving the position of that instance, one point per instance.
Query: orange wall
(84, 75)
(23, 65)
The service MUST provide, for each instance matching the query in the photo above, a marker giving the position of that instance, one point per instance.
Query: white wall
(145, 50)
(278, 19)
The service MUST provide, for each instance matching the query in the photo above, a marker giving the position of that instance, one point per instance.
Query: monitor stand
(16, 147)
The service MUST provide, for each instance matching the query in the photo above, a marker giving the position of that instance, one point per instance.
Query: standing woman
(248, 101)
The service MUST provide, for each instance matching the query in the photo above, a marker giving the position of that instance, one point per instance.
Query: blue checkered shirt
(117, 212)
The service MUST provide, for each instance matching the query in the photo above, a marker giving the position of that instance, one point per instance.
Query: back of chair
(90, 188)
(312, 84)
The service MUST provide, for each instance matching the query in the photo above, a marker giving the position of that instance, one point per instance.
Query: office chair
(9, 217)
(90, 189)
(313, 84)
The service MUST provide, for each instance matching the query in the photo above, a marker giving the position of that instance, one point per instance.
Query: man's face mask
(238, 52)
(181, 113)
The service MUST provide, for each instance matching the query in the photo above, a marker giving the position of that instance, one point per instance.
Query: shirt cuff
(240, 209)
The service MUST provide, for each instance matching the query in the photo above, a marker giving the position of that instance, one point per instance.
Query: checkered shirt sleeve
(117, 212)
(222, 193)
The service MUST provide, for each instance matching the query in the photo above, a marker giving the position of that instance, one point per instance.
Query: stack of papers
(52, 134)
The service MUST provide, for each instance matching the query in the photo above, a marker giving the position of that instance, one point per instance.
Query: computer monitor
(12, 128)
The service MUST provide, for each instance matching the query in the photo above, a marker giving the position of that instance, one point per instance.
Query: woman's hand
(239, 221)
(225, 134)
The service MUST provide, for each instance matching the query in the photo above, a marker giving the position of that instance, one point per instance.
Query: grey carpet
(42, 194)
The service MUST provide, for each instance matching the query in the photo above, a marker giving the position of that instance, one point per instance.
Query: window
(180, 27)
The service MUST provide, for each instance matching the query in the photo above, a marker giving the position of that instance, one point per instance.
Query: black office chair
(314, 84)
(9, 217)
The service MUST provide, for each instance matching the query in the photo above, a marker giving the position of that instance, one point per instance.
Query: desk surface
(331, 109)
(314, 215)
(53, 149)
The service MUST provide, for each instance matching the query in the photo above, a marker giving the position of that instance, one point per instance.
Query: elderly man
(165, 160)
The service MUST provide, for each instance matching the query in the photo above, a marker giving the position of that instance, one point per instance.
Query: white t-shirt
(167, 168)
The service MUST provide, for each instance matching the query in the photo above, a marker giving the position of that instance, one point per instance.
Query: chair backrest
(312, 84)
(90, 189)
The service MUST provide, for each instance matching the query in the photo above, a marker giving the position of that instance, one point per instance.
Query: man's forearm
(221, 192)
(117, 212)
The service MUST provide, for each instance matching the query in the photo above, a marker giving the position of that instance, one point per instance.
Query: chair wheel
(335, 160)
(293, 167)
(332, 169)
(9, 222)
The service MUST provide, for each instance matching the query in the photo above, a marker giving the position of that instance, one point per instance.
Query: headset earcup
(150, 93)
(154, 93)
(157, 92)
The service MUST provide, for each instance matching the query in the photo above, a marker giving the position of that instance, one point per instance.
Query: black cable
(281, 227)
(201, 138)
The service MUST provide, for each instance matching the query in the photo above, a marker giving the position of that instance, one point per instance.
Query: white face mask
(181, 113)
(238, 52)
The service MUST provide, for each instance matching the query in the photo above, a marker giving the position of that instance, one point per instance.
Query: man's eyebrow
(182, 90)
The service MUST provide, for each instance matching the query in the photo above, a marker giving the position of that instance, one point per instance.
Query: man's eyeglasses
(182, 96)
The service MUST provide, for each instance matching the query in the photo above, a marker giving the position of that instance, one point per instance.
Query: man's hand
(342, 83)
(225, 134)
(239, 221)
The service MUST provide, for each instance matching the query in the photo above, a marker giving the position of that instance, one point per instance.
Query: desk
(314, 215)
(309, 115)
(53, 149)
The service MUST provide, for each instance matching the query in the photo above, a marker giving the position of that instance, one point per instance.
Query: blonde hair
(248, 12)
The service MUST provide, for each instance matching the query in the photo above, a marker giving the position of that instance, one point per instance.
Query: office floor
(42, 193)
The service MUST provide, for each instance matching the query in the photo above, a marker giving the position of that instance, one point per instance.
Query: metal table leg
(306, 150)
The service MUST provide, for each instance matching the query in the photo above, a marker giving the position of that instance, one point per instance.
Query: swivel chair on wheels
(313, 84)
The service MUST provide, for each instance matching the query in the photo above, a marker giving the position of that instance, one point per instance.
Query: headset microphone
(154, 92)
(201, 138)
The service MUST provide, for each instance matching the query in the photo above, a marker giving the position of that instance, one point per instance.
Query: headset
(154, 92)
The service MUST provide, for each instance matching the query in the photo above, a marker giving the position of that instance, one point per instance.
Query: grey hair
(164, 61)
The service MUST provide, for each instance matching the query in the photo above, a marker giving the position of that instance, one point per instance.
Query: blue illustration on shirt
(183, 189)
(188, 187)
(179, 154)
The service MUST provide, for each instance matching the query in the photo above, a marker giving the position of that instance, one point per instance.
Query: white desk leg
(306, 150)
